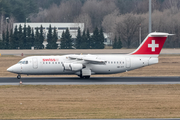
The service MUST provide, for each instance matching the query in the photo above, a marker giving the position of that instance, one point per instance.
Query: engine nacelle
(72, 66)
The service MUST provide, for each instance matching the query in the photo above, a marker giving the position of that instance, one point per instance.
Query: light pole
(149, 16)
(139, 34)
(26, 20)
(2, 27)
(7, 18)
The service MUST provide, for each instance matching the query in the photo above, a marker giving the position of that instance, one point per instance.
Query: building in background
(107, 38)
(60, 27)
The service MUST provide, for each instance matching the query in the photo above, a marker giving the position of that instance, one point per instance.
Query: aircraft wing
(88, 59)
(95, 61)
(75, 57)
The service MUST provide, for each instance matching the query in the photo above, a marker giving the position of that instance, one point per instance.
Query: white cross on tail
(153, 45)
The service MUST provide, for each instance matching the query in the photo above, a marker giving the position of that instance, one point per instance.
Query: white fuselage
(54, 65)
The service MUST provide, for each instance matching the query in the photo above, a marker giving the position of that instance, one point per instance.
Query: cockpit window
(23, 62)
(19, 62)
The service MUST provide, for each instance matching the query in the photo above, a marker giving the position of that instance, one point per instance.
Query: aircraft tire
(87, 77)
(80, 76)
(19, 77)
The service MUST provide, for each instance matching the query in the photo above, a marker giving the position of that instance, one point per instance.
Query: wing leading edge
(87, 58)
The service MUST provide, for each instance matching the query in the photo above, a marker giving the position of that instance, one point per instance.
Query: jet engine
(73, 66)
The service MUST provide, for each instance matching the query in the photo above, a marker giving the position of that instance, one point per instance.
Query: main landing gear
(19, 76)
(86, 77)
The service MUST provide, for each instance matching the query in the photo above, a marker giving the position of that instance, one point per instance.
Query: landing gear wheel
(19, 77)
(87, 77)
(80, 76)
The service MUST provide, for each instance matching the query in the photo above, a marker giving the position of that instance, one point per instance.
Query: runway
(91, 81)
(122, 119)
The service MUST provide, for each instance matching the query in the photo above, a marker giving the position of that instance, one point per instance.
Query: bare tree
(53, 13)
(97, 10)
(109, 23)
(67, 11)
(169, 4)
(40, 17)
(84, 18)
(127, 27)
(119, 17)
(6, 22)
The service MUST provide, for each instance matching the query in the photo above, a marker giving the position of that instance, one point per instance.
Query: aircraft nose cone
(10, 69)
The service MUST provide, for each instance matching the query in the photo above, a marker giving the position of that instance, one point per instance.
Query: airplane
(86, 65)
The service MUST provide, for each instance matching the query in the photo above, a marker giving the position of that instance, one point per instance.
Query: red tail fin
(152, 45)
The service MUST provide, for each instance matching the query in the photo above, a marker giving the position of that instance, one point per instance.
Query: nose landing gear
(19, 77)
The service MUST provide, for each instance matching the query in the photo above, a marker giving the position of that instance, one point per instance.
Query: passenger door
(35, 63)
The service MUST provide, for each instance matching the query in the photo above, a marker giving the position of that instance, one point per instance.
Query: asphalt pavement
(91, 81)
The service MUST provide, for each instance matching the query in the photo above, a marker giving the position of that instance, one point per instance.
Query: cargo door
(128, 62)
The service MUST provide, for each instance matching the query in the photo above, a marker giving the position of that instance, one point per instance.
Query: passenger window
(52, 62)
(111, 62)
(46, 62)
(58, 62)
(49, 62)
(114, 62)
(26, 62)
